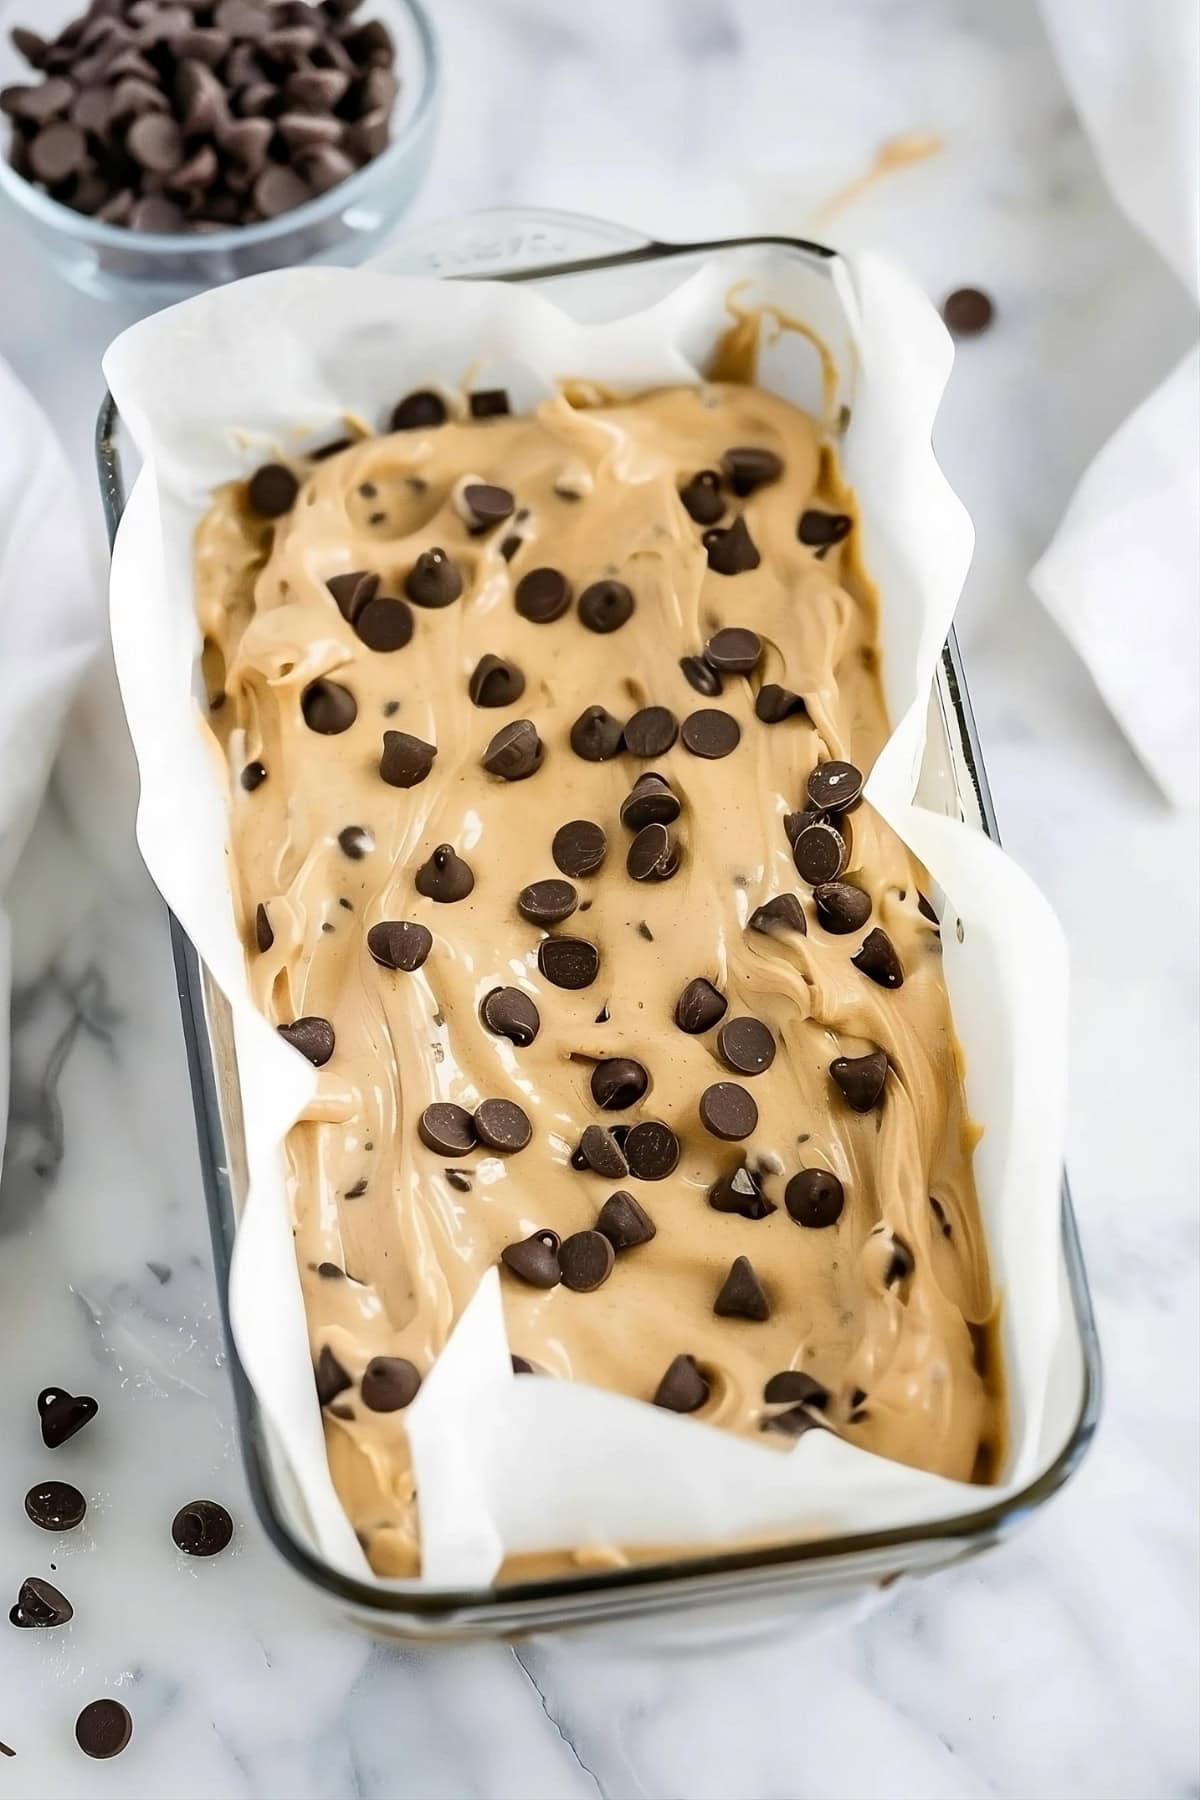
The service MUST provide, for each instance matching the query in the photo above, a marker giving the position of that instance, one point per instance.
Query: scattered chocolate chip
(652, 856)
(434, 580)
(253, 776)
(568, 962)
(815, 1198)
(389, 1384)
(419, 412)
(773, 704)
(521, 1365)
(793, 1423)
(495, 682)
(711, 734)
(819, 530)
(488, 403)
(586, 1260)
(385, 624)
(272, 491)
(731, 551)
(63, 1414)
(406, 760)
(502, 1125)
(702, 498)
(356, 841)
(605, 606)
(746, 1046)
(40, 1606)
(542, 596)
(334, 447)
(600, 1150)
(699, 1007)
(618, 1083)
(459, 1180)
(834, 787)
(842, 907)
(534, 1260)
(860, 1079)
(792, 1387)
(742, 1294)
(445, 877)
(733, 650)
(579, 848)
(515, 752)
(399, 944)
(547, 902)
(328, 707)
(447, 1129)
(926, 910)
(103, 1729)
(487, 504)
(330, 1271)
(728, 1111)
(624, 1222)
(740, 1193)
(796, 822)
(264, 935)
(312, 1037)
(698, 674)
(747, 468)
(877, 959)
(511, 1014)
(819, 853)
(967, 311)
(596, 736)
(783, 913)
(683, 1388)
(202, 1528)
(650, 802)
(901, 1265)
(651, 1150)
(55, 1505)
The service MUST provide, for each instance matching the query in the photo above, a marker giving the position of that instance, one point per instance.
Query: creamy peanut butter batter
(887, 1308)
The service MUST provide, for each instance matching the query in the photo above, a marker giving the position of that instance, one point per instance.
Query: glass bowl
(343, 226)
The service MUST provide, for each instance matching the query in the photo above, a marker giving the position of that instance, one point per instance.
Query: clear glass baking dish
(576, 260)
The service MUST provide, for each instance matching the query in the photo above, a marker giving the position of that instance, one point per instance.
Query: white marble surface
(1064, 1664)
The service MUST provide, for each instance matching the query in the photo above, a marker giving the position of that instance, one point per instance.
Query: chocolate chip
(55, 1505)
(328, 707)
(711, 734)
(156, 214)
(534, 1260)
(58, 151)
(103, 1729)
(445, 877)
(967, 311)
(355, 841)
(264, 934)
(433, 580)
(821, 529)
(63, 1414)
(860, 1079)
(586, 1259)
(272, 491)
(352, 591)
(815, 1198)
(702, 498)
(406, 760)
(733, 650)
(511, 1014)
(596, 736)
(876, 957)
(40, 1606)
(901, 1265)
(747, 468)
(600, 1150)
(834, 787)
(446, 1129)
(458, 1180)
(389, 1384)
(579, 848)
(683, 1388)
(698, 674)
(385, 624)
(650, 802)
(624, 1222)
(542, 596)
(568, 962)
(419, 412)
(793, 1423)
(156, 142)
(699, 1007)
(605, 606)
(488, 403)
(652, 856)
(331, 1378)
(728, 1111)
(651, 1150)
(487, 504)
(618, 1083)
(547, 902)
(521, 1365)
(842, 907)
(731, 551)
(312, 1037)
(783, 913)
(773, 704)
(819, 853)
(740, 1193)
(796, 822)
(746, 1046)
(202, 1528)
(515, 752)
(495, 682)
(792, 1387)
(502, 1125)
(399, 944)
(253, 776)
(742, 1294)
(926, 910)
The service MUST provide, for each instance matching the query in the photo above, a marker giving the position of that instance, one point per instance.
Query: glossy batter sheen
(906, 1364)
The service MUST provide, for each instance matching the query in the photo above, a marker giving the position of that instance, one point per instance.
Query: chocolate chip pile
(200, 115)
(547, 740)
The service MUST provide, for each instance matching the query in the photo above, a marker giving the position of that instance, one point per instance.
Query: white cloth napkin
(1122, 575)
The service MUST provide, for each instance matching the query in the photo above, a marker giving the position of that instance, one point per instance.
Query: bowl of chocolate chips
(156, 147)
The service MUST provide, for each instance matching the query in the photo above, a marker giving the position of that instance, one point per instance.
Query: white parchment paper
(506, 1465)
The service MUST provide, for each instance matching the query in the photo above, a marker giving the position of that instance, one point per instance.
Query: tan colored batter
(905, 1362)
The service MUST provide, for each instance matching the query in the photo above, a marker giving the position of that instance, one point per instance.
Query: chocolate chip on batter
(651, 1150)
(683, 1389)
(747, 468)
(792, 1387)
(653, 855)
(542, 596)
(534, 1259)
(600, 1150)
(331, 1378)
(605, 606)
(406, 760)
(579, 848)
(773, 704)
(547, 902)
(568, 962)
(815, 1197)
(740, 1193)
(202, 1528)
(819, 853)
(834, 787)
(487, 504)
(860, 1079)
(253, 776)
(356, 841)
(433, 581)
(742, 1294)
(596, 736)
(447, 1129)
(731, 551)
(61, 1415)
(40, 1606)
(783, 913)
(733, 650)
(445, 877)
(842, 907)
(728, 1111)
(699, 1007)
(793, 1423)
(877, 959)
(312, 1037)
(819, 530)
(495, 682)
(459, 1180)
(399, 944)
(651, 801)
(389, 1384)
(711, 734)
(328, 707)
(502, 1125)
(419, 412)
(384, 624)
(586, 1259)
(926, 910)
(272, 491)
(511, 1014)
(746, 1046)
(515, 752)
(796, 822)
(55, 1506)
(702, 498)
(264, 935)
(624, 1223)
(488, 403)
(618, 1083)
(700, 675)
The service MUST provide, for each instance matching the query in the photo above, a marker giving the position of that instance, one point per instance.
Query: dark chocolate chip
(792, 1387)
(740, 1193)
(842, 907)
(773, 704)
(488, 403)
(399, 944)
(542, 596)
(652, 856)
(967, 311)
(796, 822)
(699, 1007)
(815, 1198)
(103, 1729)
(253, 776)
(515, 752)
(272, 491)
(419, 411)
(264, 934)
(487, 504)
(876, 957)
(596, 736)
(63, 1414)
(459, 1180)
(433, 580)
(511, 1014)
(683, 1389)
(747, 468)
(352, 591)
(446, 1129)
(445, 877)
(728, 1111)
(534, 1260)
(746, 1046)
(624, 1222)
(860, 1079)
(586, 1259)
(926, 910)
(793, 1423)
(783, 913)
(650, 802)
(547, 902)
(502, 1125)
(406, 760)
(521, 1365)
(698, 674)
(651, 1150)
(618, 1083)
(156, 142)
(330, 1376)
(356, 841)
(202, 1528)
(731, 551)
(819, 853)
(389, 1384)
(821, 529)
(605, 606)
(57, 152)
(55, 1505)
(742, 1294)
(312, 1037)
(711, 734)
(834, 787)
(901, 1265)
(733, 650)
(579, 847)
(702, 498)
(385, 624)
(40, 1606)
(328, 707)
(495, 682)
(568, 962)
(600, 1149)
